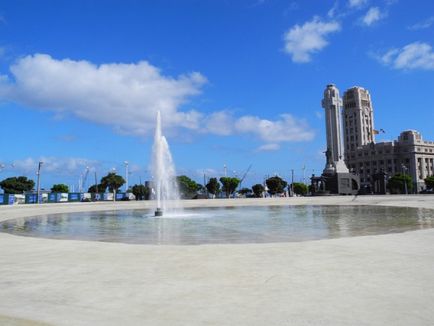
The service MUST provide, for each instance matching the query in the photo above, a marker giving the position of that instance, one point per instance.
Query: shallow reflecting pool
(224, 225)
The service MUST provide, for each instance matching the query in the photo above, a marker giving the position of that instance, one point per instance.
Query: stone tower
(332, 104)
(358, 119)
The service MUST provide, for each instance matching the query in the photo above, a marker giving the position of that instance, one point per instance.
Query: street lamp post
(114, 190)
(304, 174)
(126, 176)
(404, 169)
(38, 188)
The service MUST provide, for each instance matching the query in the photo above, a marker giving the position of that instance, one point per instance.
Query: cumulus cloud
(220, 123)
(268, 147)
(416, 55)
(356, 3)
(287, 128)
(208, 172)
(127, 97)
(422, 25)
(302, 41)
(332, 12)
(372, 16)
(55, 165)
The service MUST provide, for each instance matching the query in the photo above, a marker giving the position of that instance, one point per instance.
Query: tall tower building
(358, 120)
(332, 104)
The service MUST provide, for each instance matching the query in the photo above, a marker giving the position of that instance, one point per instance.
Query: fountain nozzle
(158, 212)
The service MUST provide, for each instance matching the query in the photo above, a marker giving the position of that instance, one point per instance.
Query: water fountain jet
(163, 172)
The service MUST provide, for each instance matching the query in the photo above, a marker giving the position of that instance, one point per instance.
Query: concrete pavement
(371, 280)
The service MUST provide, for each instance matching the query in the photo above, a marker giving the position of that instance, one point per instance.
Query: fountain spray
(163, 171)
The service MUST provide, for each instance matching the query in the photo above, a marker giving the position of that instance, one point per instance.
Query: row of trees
(189, 188)
(275, 185)
(402, 183)
(19, 185)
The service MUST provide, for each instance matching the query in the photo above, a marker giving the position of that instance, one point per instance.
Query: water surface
(224, 225)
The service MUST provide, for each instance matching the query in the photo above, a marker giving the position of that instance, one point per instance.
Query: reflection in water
(225, 225)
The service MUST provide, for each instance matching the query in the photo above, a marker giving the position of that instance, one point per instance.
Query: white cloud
(287, 128)
(302, 41)
(67, 138)
(55, 165)
(422, 25)
(208, 172)
(268, 147)
(416, 55)
(372, 16)
(127, 97)
(356, 3)
(332, 12)
(220, 123)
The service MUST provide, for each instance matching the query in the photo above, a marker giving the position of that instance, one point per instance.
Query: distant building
(408, 154)
(358, 119)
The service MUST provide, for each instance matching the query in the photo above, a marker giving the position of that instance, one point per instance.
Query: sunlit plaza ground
(367, 280)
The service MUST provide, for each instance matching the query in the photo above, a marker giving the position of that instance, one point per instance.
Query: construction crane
(83, 181)
(244, 175)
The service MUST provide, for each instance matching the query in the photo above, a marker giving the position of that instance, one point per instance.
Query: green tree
(396, 184)
(213, 186)
(245, 191)
(276, 185)
(258, 190)
(429, 182)
(188, 188)
(17, 185)
(140, 192)
(229, 185)
(60, 188)
(100, 188)
(112, 181)
(300, 188)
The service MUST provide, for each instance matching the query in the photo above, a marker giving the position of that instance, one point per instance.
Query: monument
(336, 178)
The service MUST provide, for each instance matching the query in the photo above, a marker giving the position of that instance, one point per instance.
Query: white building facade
(408, 154)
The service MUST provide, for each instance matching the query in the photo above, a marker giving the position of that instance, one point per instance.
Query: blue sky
(237, 82)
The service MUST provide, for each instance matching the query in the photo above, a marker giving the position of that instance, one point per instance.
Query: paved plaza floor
(368, 280)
